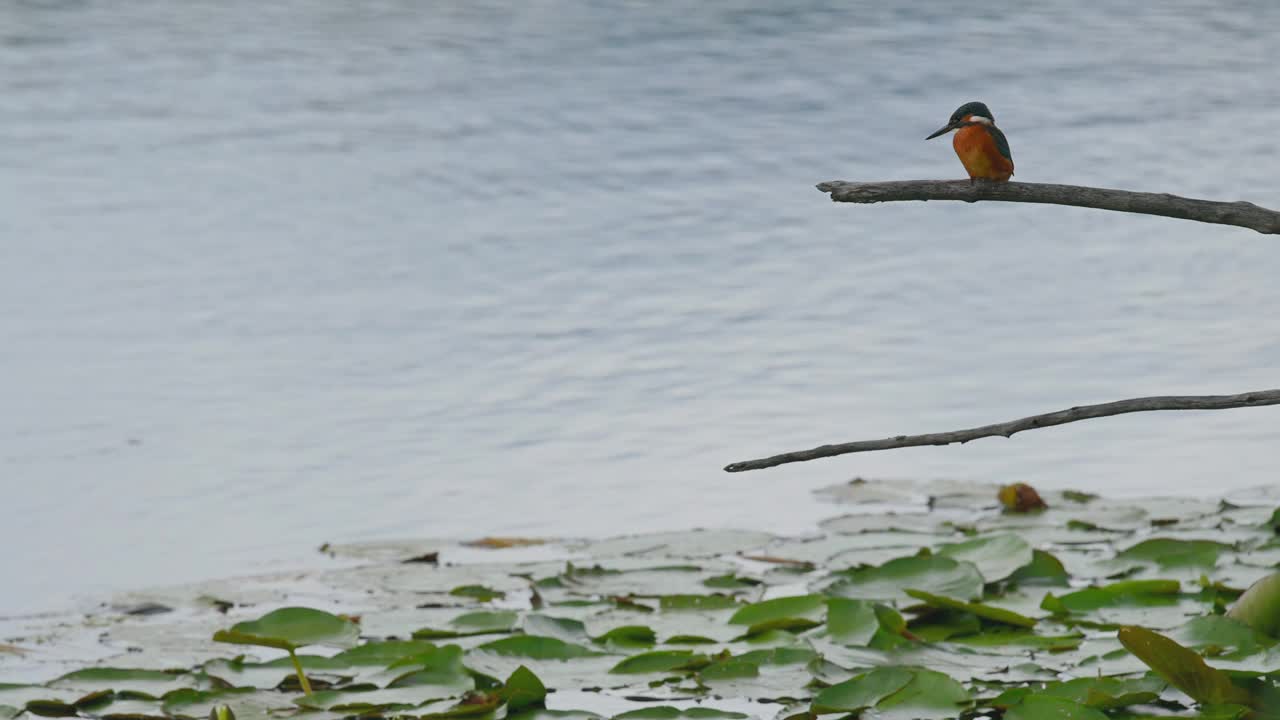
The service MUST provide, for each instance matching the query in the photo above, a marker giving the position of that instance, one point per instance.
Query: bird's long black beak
(943, 131)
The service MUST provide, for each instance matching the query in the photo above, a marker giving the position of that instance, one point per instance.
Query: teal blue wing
(1001, 143)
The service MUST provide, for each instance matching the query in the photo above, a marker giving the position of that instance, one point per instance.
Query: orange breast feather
(980, 155)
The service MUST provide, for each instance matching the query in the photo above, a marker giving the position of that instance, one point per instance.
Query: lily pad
(660, 661)
(523, 690)
(996, 556)
(1046, 707)
(890, 581)
(802, 606)
(862, 692)
(1170, 552)
(538, 648)
(982, 610)
(1182, 668)
(292, 628)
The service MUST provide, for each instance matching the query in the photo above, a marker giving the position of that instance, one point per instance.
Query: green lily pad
(1259, 606)
(1044, 569)
(523, 690)
(1169, 552)
(266, 675)
(628, 637)
(934, 574)
(996, 556)
(538, 648)
(566, 629)
(698, 602)
(1127, 592)
(853, 622)
(803, 606)
(927, 696)
(383, 653)
(660, 661)
(1046, 707)
(292, 628)
(1220, 634)
(984, 611)
(482, 622)
(667, 712)
(478, 592)
(148, 683)
(1182, 668)
(862, 692)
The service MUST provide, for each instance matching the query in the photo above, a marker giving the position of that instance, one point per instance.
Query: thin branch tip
(1240, 213)
(1034, 422)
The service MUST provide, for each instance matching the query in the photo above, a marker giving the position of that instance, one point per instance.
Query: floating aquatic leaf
(1216, 634)
(667, 712)
(1259, 607)
(265, 675)
(382, 653)
(935, 574)
(697, 602)
(482, 622)
(1182, 668)
(660, 661)
(996, 556)
(927, 696)
(523, 690)
(1126, 592)
(567, 629)
(538, 648)
(982, 610)
(628, 637)
(801, 606)
(1044, 569)
(852, 622)
(1170, 552)
(478, 592)
(292, 628)
(146, 683)
(1047, 707)
(862, 692)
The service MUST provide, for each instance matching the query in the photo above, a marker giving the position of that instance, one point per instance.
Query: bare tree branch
(1242, 214)
(1061, 417)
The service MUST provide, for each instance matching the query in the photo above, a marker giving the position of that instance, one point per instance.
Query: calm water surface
(275, 274)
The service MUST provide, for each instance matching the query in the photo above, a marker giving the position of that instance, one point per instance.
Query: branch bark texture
(1241, 214)
(1007, 429)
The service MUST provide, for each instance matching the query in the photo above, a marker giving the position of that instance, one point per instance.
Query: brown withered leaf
(501, 543)
(1021, 498)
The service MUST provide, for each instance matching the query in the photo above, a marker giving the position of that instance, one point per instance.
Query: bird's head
(967, 114)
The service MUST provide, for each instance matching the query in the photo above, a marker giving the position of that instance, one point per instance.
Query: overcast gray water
(274, 274)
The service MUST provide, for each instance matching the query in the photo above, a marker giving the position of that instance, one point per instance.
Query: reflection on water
(305, 271)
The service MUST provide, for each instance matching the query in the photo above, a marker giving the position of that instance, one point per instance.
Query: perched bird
(979, 143)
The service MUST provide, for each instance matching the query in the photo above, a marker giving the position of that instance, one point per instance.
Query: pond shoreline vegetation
(933, 601)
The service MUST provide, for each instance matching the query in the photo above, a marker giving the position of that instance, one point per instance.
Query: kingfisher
(982, 148)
